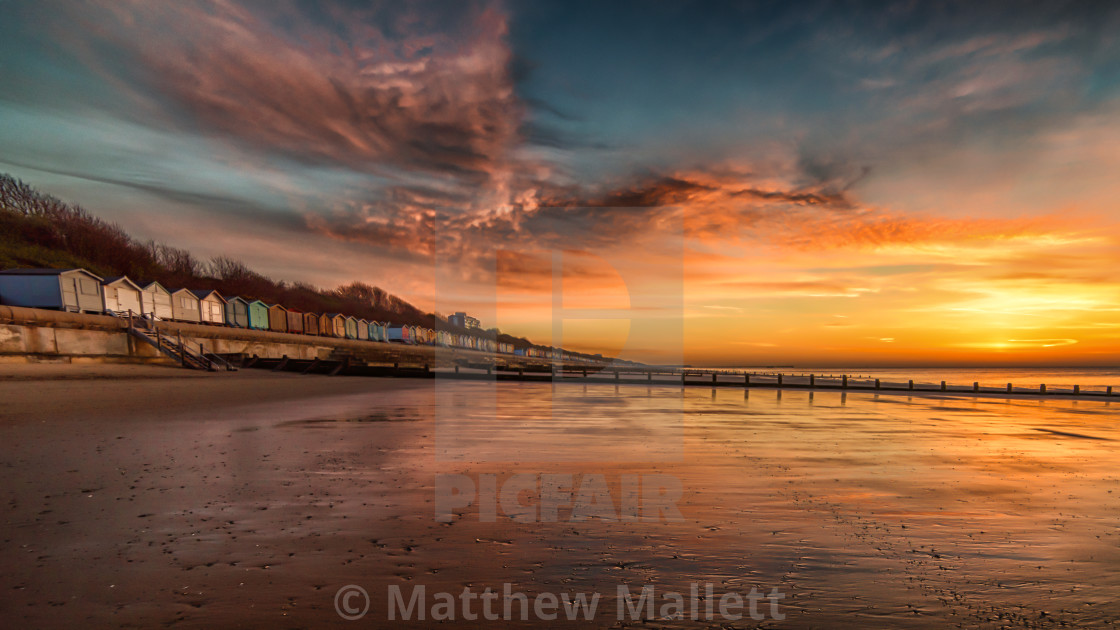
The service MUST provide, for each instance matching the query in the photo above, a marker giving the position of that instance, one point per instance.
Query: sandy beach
(143, 496)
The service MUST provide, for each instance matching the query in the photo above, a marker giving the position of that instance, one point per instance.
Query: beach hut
(295, 321)
(351, 327)
(211, 306)
(326, 325)
(185, 306)
(311, 323)
(121, 295)
(237, 312)
(155, 301)
(332, 325)
(74, 290)
(258, 315)
(398, 334)
(277, 318)
(363, 330)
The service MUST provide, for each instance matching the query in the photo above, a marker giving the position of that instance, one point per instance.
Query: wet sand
(145, 496)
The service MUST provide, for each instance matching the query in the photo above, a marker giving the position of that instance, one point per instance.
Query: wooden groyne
(666, 377)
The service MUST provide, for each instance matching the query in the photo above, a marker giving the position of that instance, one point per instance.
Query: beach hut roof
(334, 315)
(237, 298)
(48, 272)
(182, 290)
(202, 294)
(256, 301)
(146, 285)
(116, 279)
(277, 305)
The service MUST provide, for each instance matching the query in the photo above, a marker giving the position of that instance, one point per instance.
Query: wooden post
(844, 381)
(617, 376)
(975, 386)
(713, 378)
(812, 380)
(682, 377)
(649, 377)
(1076, 390)
(746, 380)
(1009, 388)
(877, 384)
(182, 350)
(1042, 388)
(1108, 392)
(942, 385)
(584, 372)
(779, 380)
(911, 384)
(456, 369)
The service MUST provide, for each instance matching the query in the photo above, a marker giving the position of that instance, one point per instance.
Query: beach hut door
(69, 293)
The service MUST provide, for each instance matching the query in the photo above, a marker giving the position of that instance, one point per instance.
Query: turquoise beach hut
(258, 315)
(351, 327)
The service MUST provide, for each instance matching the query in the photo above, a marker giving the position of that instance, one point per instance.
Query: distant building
(462, 320)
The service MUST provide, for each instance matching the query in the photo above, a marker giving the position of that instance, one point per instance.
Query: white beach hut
(155, 301)
(121, 295)
(211, 306)
(185, 306)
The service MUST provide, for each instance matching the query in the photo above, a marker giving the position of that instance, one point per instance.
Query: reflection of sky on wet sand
(867, 510)
(510, 423)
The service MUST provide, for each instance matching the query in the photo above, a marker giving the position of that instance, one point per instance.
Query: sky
(739, 183)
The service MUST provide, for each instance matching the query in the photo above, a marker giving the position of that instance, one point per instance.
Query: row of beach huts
(81, 291)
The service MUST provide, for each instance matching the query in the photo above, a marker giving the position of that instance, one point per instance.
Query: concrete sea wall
(38, 335)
